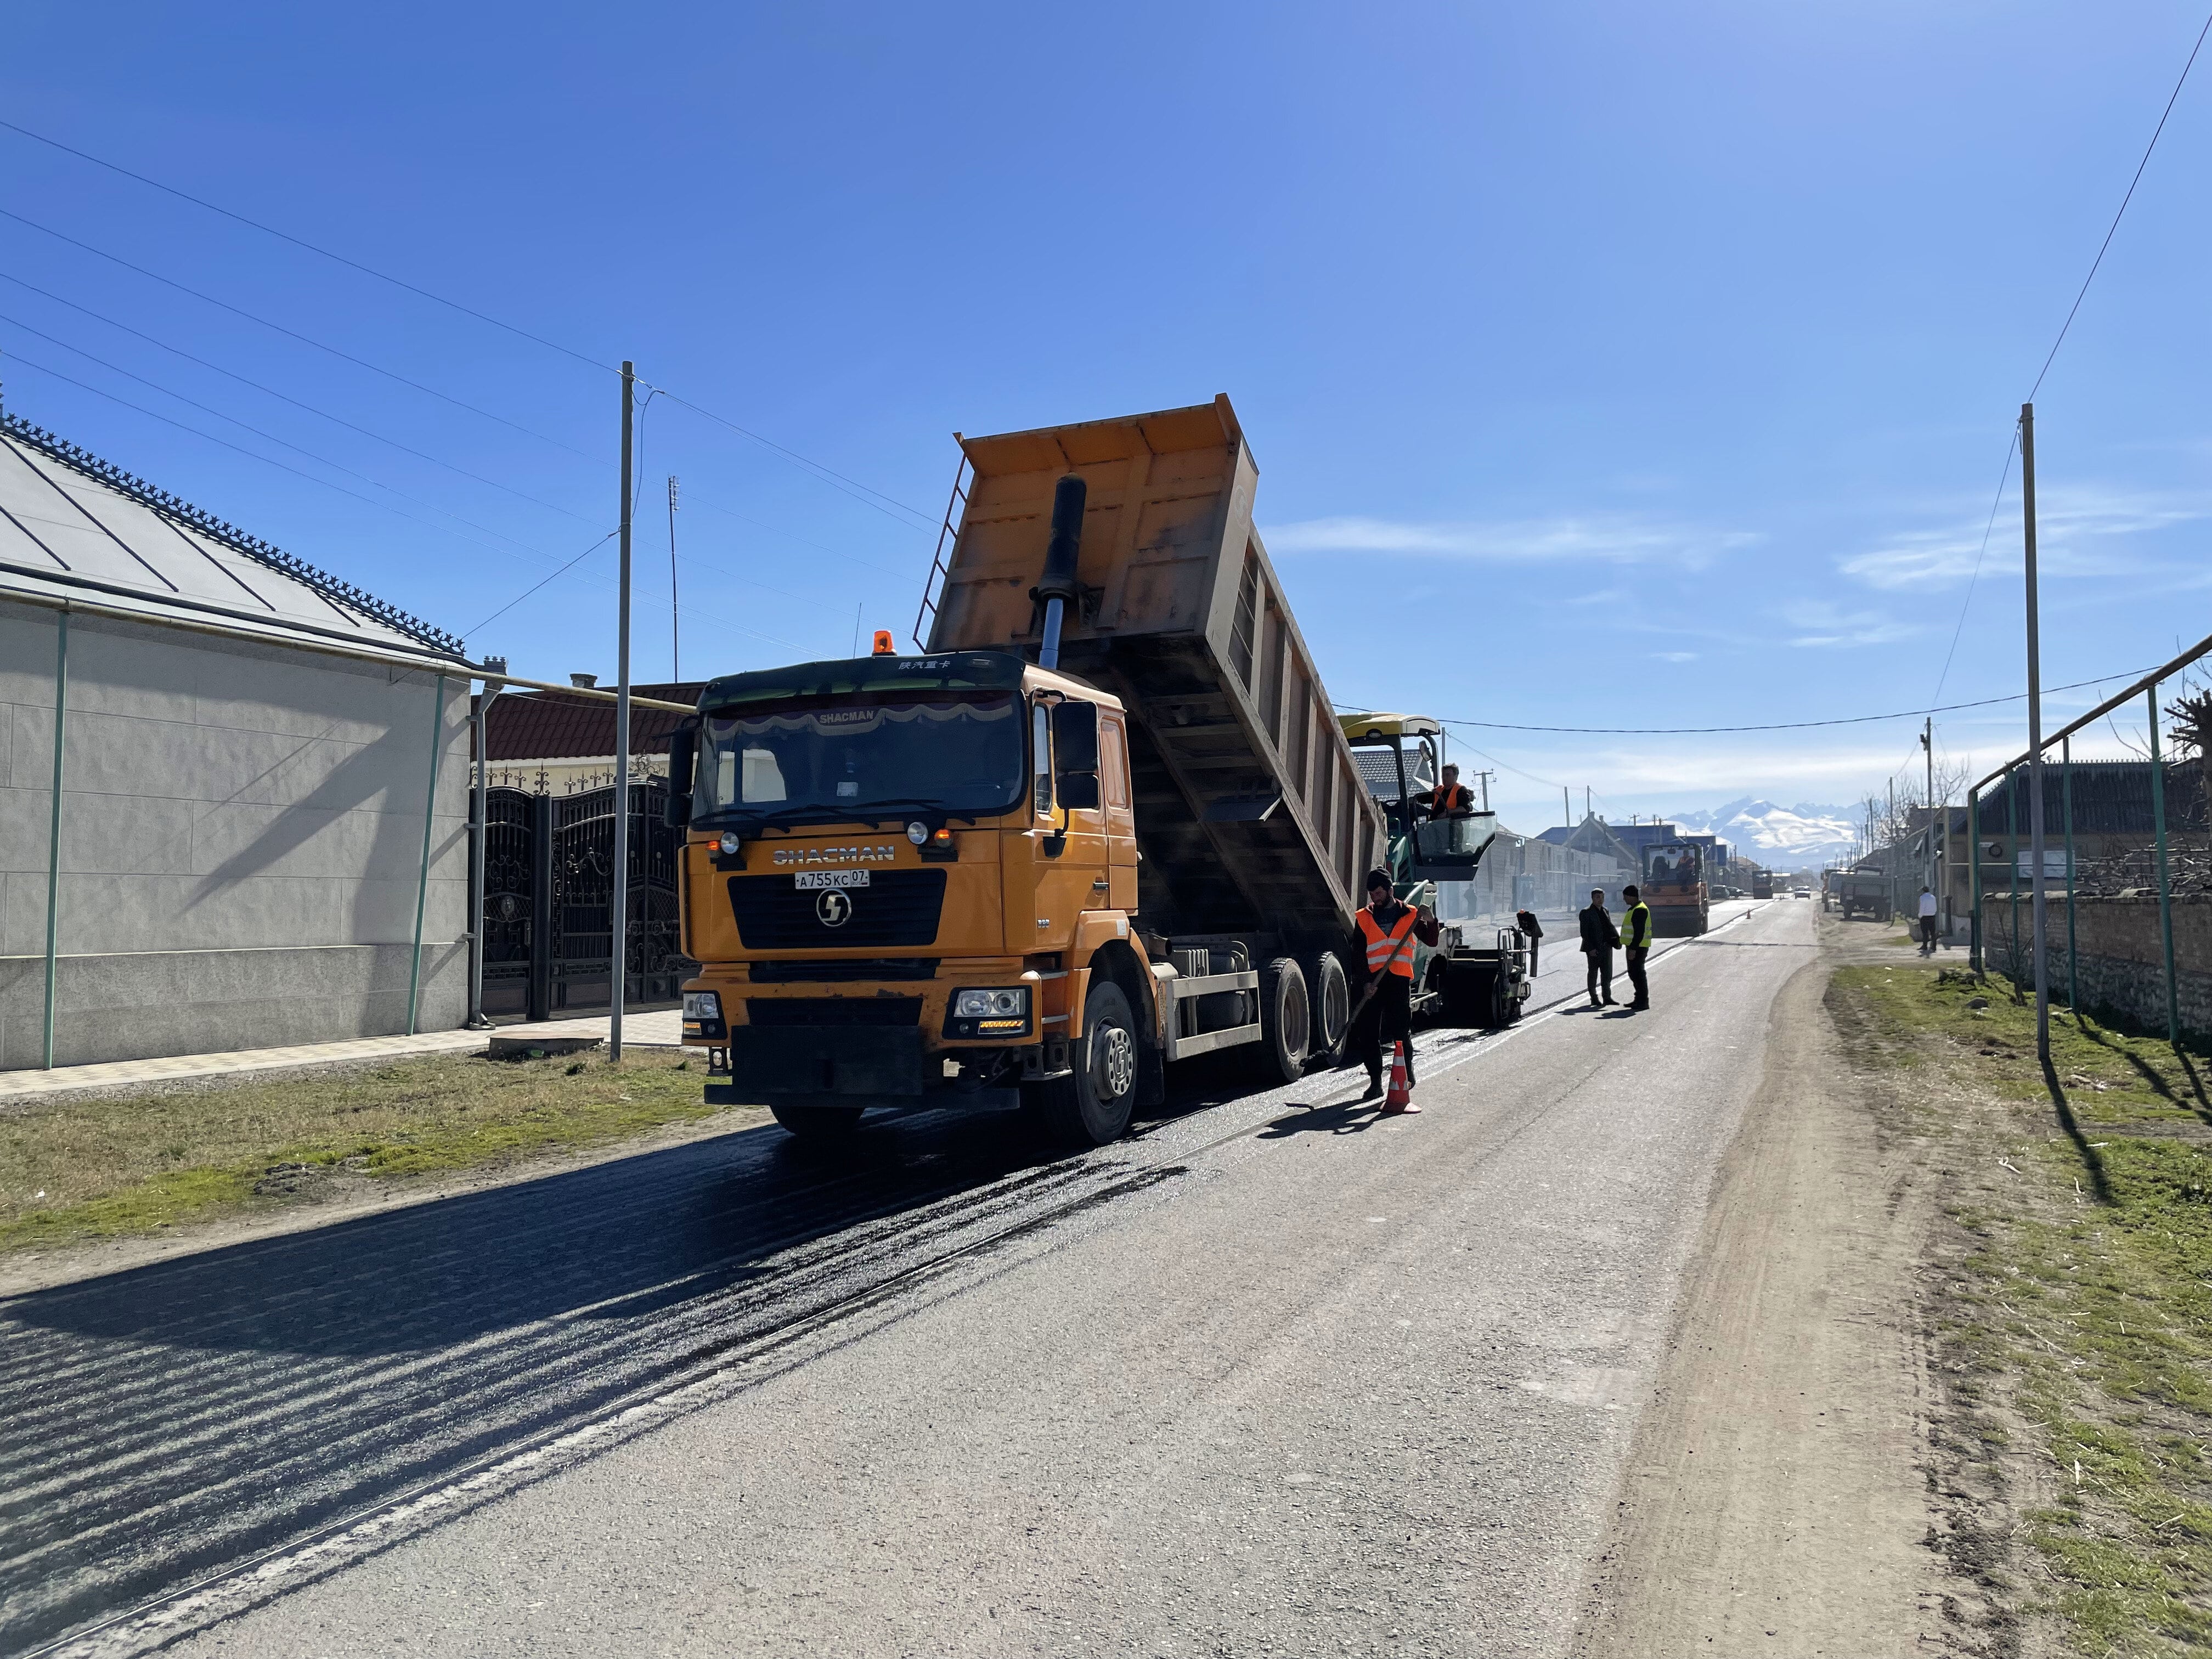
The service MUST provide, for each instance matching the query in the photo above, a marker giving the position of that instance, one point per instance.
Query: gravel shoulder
(1776, 1500)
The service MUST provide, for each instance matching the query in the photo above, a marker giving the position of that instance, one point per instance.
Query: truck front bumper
(882, 1062)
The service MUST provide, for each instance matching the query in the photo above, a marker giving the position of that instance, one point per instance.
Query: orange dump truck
(1105, 821)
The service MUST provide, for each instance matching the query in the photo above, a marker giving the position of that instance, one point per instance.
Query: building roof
(73, 525)
(2111, 798)
(548, 726)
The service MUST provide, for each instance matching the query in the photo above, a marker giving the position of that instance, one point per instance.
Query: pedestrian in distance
(1383, 946)
(1533, 931)
(1636, 945)
(1600, 939)
(1927, 922)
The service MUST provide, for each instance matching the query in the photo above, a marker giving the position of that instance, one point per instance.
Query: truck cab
(901, 875)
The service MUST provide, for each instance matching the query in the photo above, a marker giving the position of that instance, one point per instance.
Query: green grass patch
(2094, 1319)
(132, 1163)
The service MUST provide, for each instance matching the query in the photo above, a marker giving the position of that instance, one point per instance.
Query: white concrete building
(251, 847)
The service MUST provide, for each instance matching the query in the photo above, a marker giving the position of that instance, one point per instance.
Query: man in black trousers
(1600, 939)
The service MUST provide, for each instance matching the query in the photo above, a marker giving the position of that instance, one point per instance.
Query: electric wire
(1780, 725)
(836, 480)
(270, 392)
(535, 585)
(823, 472)
(268, 437)
(2113, 228)
(2004, 476)
(296, 241)
(266, 460)
(294, 334)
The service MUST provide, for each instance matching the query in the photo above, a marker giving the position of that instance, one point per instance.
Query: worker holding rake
(1387, 931)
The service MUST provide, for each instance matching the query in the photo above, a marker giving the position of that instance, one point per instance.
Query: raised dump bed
(1251, 817)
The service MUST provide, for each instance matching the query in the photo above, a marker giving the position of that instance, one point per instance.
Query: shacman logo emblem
(881, 852)
(833, 906)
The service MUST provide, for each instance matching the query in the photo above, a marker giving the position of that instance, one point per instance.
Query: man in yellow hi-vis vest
(1636, 941)
(1383, 947)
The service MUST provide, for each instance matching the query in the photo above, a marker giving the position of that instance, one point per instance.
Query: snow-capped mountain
(1798, 838)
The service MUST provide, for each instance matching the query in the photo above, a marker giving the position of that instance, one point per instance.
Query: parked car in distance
(1804, 892)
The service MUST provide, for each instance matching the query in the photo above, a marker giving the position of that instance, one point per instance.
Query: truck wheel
(1286, 1021)
(1330, 993)
(1092, 1107)
(818, 1123)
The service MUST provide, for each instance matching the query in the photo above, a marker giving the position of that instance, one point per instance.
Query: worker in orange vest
(1383, 947)
(1450, 798)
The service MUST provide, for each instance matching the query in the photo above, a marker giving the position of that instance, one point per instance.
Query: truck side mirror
(683, 762)
(1080, 791)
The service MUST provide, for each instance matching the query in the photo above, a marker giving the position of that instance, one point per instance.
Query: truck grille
(897, 907)
(833, 1011)
(834, 970)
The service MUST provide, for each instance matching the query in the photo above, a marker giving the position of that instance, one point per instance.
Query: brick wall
(2122, 971)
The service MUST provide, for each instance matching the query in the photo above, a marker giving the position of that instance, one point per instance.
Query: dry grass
(131, 1162)
(2075, 1313)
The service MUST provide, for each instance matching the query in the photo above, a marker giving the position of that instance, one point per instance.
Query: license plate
(814, 878)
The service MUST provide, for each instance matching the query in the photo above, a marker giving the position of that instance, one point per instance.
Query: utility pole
(1486, 777)
(1928, 743)
(1567, 812)
(675, 628)
(618, 897)
(2034, 733)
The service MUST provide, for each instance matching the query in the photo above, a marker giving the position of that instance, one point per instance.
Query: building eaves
(71, 523)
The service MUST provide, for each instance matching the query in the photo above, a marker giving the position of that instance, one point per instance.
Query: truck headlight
(1010, 1004)
(702, 1006)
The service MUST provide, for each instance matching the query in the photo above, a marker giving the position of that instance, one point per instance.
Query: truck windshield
(832, 758)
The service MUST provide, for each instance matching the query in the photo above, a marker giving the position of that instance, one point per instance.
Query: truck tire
(820, 1124)
(1285, 1022)
(1330, 993)
(1091, 1108)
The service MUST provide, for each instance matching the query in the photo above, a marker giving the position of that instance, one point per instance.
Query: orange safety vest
(1380, 945)
(1452, 798)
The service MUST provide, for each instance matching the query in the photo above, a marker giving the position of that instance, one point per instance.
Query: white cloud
(1822, 625)
(1660, 656)
(1617, 538)
(2079, 532)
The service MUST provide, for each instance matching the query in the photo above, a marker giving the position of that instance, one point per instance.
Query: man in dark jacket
(1383, 949)
(1600, 939)
(1531, 930)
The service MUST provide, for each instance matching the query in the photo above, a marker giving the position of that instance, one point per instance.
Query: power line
(2011, 449)
(836, 480)
(1786, 726)
(270, 392)
(293, 334)
(296, 241)
(824, 473)
(535, 585)
(266, 460)
(2125, 200)
(269, 437)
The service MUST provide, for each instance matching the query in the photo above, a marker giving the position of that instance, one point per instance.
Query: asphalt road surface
(1273, 1377)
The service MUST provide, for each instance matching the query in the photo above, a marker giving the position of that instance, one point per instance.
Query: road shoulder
(1775, 1501)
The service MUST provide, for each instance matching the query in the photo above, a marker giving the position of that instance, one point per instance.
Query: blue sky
(1606, 365)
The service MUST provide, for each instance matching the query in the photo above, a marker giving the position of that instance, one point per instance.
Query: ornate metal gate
(549, 893)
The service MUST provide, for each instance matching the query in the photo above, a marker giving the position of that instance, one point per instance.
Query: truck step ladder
(937, 563)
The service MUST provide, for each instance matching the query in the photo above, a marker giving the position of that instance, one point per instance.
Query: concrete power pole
(2034, 733)
(618, 905)
(675, 626)
(1928, 743)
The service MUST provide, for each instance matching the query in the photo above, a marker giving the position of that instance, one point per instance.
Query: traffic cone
(1398, 1099)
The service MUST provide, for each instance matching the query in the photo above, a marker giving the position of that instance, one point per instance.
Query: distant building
(251, 851)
